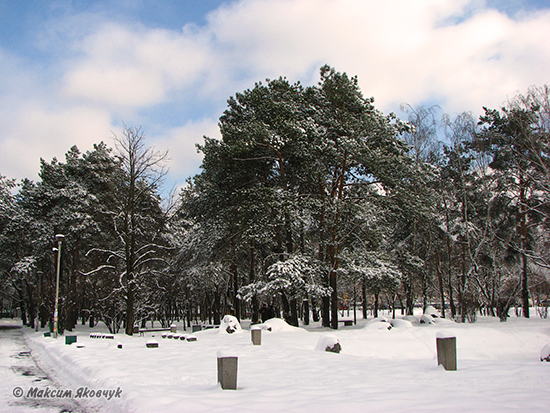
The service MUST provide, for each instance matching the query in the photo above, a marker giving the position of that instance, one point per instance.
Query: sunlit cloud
(461, 55)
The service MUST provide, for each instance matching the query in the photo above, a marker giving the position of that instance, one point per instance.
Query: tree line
(311, 201)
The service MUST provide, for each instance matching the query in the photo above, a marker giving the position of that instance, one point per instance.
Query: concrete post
(227, 372)
(173, 328)
(256, 335)
(70, 339)
(446, 351)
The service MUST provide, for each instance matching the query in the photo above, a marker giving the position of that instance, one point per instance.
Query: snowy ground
(499, 369)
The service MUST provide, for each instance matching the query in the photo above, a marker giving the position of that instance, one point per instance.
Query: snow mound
(412, 319)
(226, 353)
(278, 325)
(380, 319)
(431, 311)
(400, 323)
(426, 319)
(475, 354)
(442, 321)
(545, 353)
(445, 334)
(378, 325)
(328, 342)
(230, 325)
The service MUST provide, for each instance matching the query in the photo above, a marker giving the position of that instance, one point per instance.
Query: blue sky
(72, 72)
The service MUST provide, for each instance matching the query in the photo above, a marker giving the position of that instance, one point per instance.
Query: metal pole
(59, 239)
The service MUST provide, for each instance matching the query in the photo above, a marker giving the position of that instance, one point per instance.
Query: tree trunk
(364, 297)
(286, 308)
(252, 279)
(440, 281)
(294, 313)
(216, 308)
(523, 223)
(409, 299)
(333, 302)
(236, 301)
(130, 310)
(306, 312)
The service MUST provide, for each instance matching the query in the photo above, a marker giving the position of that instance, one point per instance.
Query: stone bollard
(152, 344)
(173, 328)
(446, 350)
(70, 339)
(227, 371)
(256, 335)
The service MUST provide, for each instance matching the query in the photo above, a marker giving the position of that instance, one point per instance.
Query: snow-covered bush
(278, 325)
(230, 325)
(379, 323)
(414, 320)
(431, 311)
(328, 342)
(400, 323)
(426, 319)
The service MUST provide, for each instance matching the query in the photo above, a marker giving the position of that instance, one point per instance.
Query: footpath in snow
(378, 369)
(21, 369)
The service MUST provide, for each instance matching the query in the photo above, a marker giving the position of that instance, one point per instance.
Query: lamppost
(59, 238)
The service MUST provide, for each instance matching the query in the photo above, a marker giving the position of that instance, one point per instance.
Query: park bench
(141, 331)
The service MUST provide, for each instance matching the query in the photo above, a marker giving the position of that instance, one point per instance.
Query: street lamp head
(60, 237)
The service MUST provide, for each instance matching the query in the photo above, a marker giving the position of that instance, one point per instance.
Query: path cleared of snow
(20, 370)
(499, 369)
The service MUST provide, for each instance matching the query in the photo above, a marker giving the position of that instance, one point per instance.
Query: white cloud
(34, 132)
(180, 142)
(460, 54)
(401, 50)
(134, 66)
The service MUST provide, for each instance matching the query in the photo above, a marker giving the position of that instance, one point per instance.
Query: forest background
(312, 201)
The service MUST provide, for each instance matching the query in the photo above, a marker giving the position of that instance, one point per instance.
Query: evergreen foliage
(311, 201)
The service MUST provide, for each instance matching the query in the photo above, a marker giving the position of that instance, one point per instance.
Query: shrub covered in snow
(431, 311)
(379, 323)
(414, 320)
(278, 325)
(328, 342)
(426, 319)
(230, 325)
(400, 323)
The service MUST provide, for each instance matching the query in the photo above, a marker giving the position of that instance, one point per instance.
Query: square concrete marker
(70, 339)
(227, 372)
(446, 351)
(256, 335)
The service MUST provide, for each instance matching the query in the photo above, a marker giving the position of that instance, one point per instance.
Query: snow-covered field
(499, 369)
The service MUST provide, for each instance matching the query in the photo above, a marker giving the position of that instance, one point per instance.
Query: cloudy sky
(72, 72)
